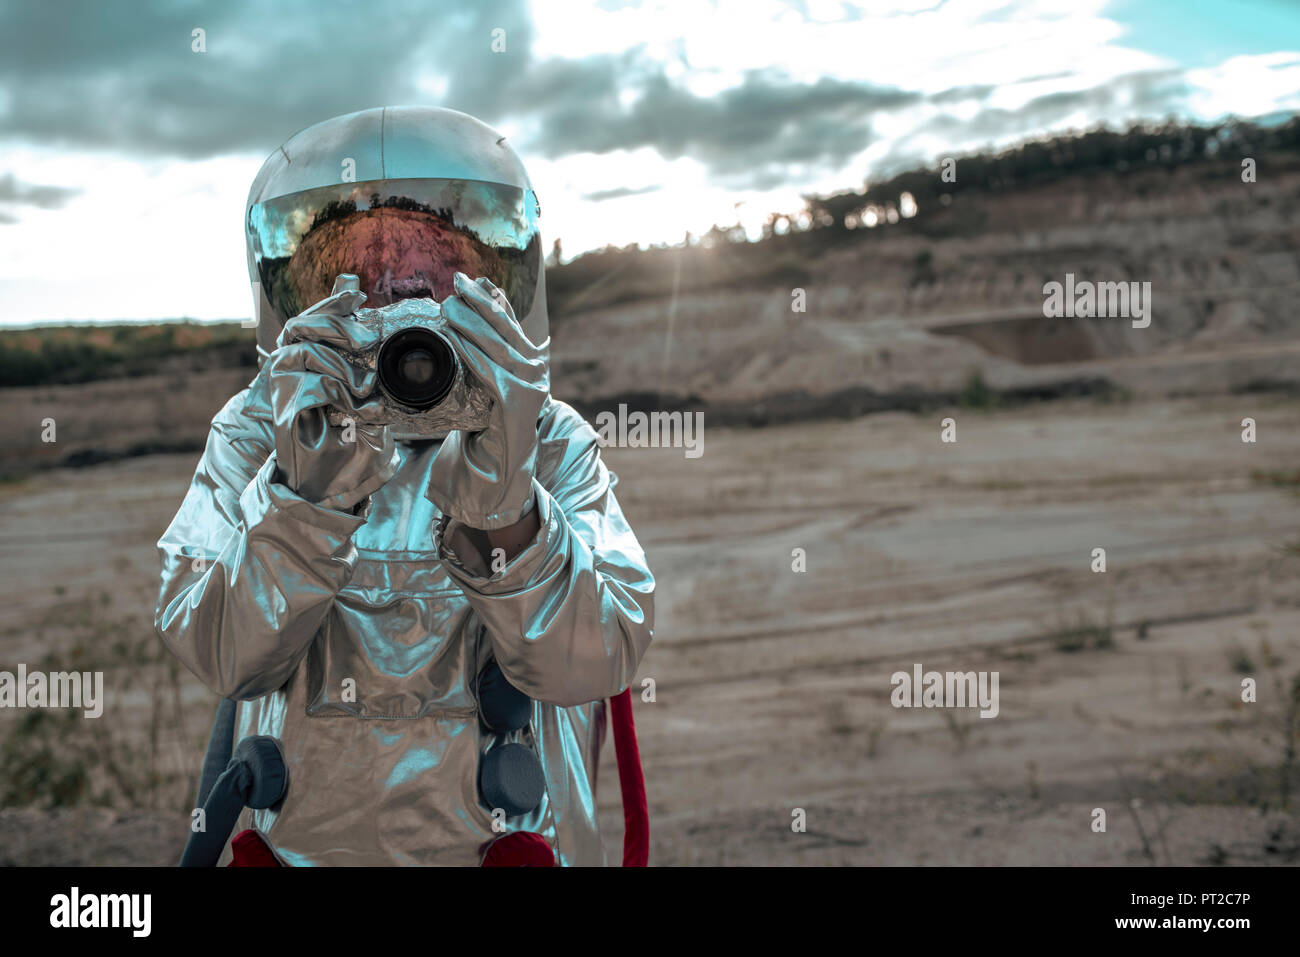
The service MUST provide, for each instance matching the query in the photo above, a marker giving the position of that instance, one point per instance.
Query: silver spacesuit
(323, 583)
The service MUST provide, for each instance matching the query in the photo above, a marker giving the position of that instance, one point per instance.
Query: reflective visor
(403, 238)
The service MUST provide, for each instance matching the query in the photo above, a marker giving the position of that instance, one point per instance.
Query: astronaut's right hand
(333, 466)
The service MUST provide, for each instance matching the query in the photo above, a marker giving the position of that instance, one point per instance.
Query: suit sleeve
(249, 569)
(571, 616)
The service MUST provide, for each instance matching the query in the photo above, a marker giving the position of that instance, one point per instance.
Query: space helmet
(403, 197)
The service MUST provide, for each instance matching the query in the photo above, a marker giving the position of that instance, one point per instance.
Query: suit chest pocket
(400, 642)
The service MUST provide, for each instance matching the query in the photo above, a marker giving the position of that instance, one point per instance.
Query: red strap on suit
(631, 780)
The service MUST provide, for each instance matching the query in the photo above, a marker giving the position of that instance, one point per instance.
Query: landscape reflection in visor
(402, 239)
(417, 368)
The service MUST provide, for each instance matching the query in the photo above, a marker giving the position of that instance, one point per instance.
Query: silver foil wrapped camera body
(466, 404)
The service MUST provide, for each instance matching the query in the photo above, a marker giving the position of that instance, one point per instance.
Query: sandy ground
(1119, 691)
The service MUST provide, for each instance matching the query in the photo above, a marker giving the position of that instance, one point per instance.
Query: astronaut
(371, 596)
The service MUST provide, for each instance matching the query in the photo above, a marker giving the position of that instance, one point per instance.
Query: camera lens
(416, 368)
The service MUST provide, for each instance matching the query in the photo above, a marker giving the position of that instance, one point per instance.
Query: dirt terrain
(773, 687)
(1119, 690)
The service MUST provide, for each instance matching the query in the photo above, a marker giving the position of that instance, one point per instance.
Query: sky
(126, 155)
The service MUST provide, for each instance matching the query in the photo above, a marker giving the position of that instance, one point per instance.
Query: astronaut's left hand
(485, 479)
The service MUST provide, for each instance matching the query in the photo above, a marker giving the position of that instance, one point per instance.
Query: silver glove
(333, 466)
(485, 479)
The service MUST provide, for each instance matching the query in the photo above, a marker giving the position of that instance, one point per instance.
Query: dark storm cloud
(960, 94)
(1149, 92)
(93, 74)
(618, 193)
(124, 78)
(762, 120)
(1144, 92)
(15, 192)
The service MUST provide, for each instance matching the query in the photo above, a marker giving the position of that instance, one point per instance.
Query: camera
(424, 387)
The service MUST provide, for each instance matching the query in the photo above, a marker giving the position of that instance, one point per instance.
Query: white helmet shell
(364, 149)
